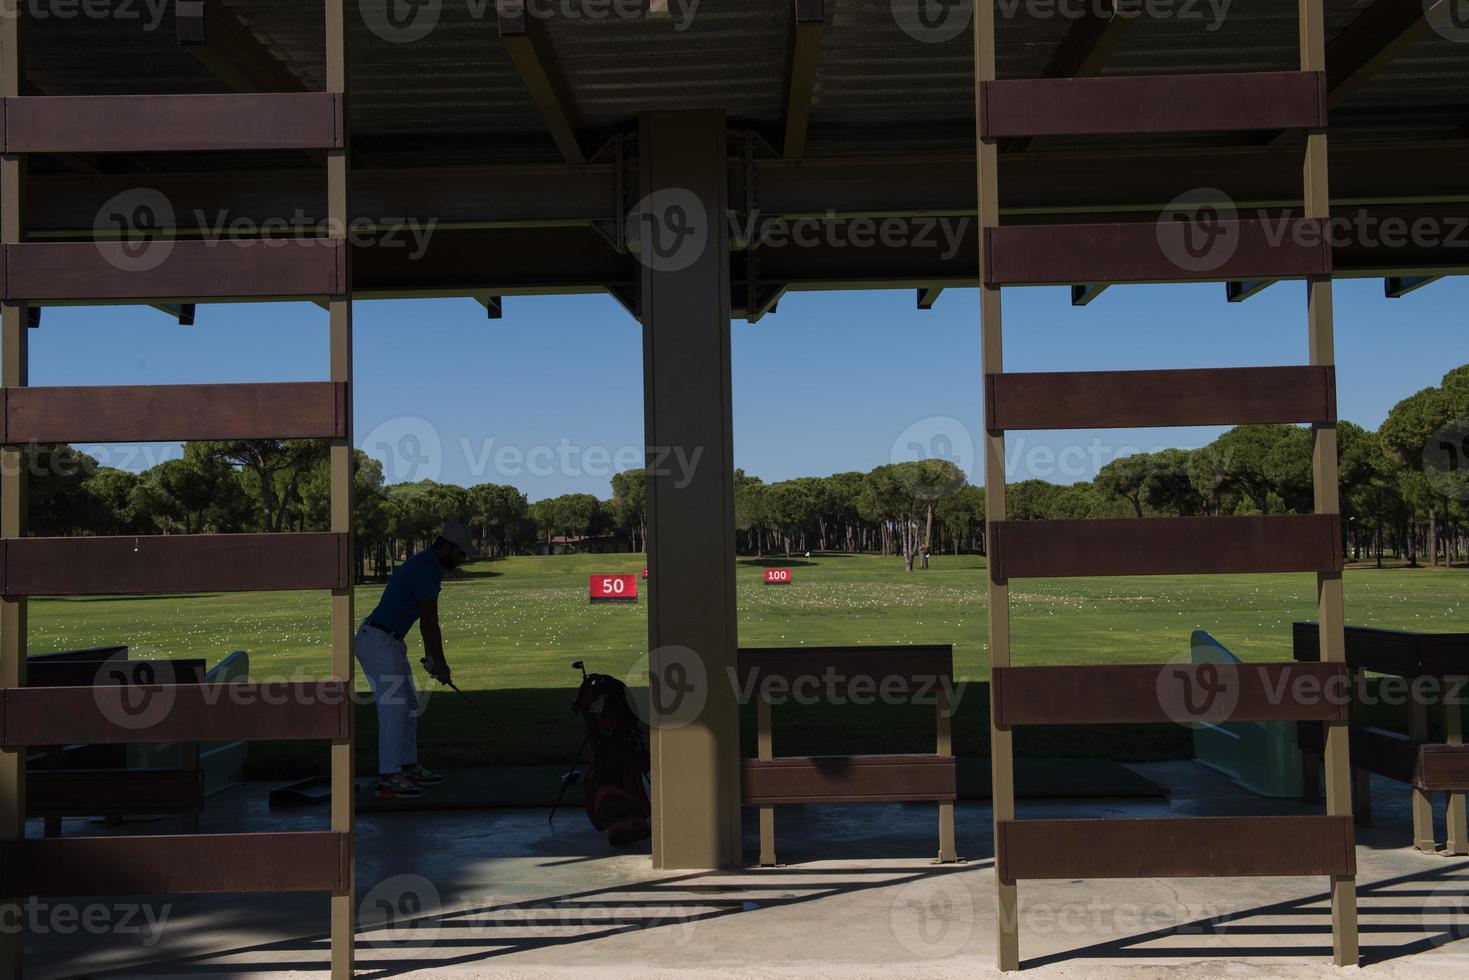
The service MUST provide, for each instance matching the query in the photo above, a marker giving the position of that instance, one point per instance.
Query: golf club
(477, 709)
(573, 775)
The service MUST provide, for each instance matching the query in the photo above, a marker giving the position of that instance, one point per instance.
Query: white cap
(457, 534)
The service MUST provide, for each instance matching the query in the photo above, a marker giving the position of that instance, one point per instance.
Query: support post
(14, 366)
(692, 637)
(1331, 610)
(765, 750)
(1002, 750)
(1424, 838)
(948, 847)
(344, 795)
(1453, 723)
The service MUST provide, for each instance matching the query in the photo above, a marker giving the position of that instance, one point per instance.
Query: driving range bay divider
(768, 781)
(95, 272)
(1017, 111)
(78, 780)
(1441, 660)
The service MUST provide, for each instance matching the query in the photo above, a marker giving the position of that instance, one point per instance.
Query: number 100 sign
(777, 576)
(613, 588)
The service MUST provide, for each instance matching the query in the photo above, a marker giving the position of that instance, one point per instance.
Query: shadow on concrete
(637, 907)
(1425, 925)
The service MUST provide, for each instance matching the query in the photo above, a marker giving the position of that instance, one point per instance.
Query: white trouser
(384, 661)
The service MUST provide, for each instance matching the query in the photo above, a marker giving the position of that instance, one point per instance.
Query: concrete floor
(499, 893)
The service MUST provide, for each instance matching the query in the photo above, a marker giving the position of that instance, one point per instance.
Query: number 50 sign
(613, 588)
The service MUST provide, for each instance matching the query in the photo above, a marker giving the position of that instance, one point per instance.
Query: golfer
(411, 596)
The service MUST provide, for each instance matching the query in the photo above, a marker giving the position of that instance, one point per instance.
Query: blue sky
(550, 397)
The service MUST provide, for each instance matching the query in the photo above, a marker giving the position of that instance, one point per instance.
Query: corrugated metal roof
(454, 96)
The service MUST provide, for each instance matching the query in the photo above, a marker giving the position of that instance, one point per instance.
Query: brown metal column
(692, 637)
(1331, 611)
(344, 802)
(1002, 751)
(14, 359)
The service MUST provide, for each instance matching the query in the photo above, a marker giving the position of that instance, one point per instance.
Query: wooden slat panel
(97, 792)
(1392, 651)
(1139, 399)
(839, 667)
(1175, 848)
(168, 413)
(1152, 104)
(1390, 754)
(1018, 255)
(81, 673)
(172, 564)
(1126, 694)
(1165, 546)
(175, 865)
(111, 714)
(177, 270)
(849, 779)
(1443, 768)
(144, 123)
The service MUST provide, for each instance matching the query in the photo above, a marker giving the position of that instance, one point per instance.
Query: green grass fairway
(513, 627)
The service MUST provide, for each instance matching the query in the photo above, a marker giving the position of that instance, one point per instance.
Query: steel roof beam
(1083, 52)
(1365, 47)
(1381, 34)
(215, 36)
(1396, 287)
(1080, 186)
(808, 21)
(529, 48)
(1238, 292)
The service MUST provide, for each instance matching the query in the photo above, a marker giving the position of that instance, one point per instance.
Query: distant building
(564, 544)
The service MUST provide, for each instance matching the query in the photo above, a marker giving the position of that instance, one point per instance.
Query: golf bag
(616, 782)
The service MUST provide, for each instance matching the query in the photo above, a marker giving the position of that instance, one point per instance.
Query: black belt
(383, 629)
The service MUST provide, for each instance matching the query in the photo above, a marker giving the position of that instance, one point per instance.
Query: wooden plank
(109, 714)
(175, 270)
(1127, 694)
(849, 779)
(82, 673)
(1397, 652)
(1152, 104)
(175, 865)
(168, 413)
(1162, 251)
(1442, 768)
(839, 668)
(169, 123)
(99, 792)
(1165, 546)
(174, 564)
(1390, 754)
(1175, 847)
(1138, 399)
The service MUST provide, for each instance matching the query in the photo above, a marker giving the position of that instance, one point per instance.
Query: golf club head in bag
(616, 779)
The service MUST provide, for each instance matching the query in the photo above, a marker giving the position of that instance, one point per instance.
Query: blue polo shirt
(420, 577)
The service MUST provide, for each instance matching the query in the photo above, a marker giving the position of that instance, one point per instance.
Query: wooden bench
(94, 780)
(908, 673)
(1427, 767)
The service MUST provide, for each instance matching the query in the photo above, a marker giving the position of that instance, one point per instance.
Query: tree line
(1404, 492)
